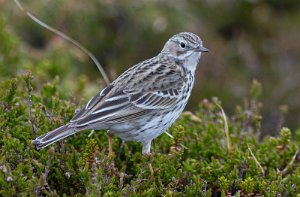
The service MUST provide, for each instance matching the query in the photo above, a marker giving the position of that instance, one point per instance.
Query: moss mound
(196, 161)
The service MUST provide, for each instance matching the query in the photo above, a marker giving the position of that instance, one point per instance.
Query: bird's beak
(201, 49)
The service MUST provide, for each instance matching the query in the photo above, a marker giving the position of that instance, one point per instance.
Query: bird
(144, 101)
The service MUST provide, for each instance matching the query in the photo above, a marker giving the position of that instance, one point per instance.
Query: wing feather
(148, 86)
(158, 89)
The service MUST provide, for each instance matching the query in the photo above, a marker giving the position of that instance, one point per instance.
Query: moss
(194, 162)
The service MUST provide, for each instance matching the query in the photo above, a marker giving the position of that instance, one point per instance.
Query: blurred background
(254, 39)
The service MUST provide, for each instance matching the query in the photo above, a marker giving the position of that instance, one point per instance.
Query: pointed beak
(201, 49)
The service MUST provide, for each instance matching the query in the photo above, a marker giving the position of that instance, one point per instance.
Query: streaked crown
(184, 44)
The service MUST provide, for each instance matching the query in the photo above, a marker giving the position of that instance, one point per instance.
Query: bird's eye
(182, 45)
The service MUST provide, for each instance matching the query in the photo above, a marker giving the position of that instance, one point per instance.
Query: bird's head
(185, 46)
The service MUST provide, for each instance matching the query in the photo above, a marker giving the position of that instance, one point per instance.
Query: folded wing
(150, 87)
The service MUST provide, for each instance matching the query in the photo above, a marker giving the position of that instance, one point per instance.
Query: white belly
(153, 127)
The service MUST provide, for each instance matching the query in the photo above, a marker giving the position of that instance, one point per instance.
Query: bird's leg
(146, 147)
(110, 150)
(147, 155)
(121, 147)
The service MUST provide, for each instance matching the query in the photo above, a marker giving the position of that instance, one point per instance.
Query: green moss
(194, 162)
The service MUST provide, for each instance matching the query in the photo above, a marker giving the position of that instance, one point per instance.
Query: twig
(28, 79)
(256, 161)
(45, 175)
(121, 180)
(151, 169)
(30, 112)
(64, 36)
(226, 130)
(285, 170)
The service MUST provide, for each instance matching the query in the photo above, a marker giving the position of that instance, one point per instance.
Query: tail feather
(53, 136)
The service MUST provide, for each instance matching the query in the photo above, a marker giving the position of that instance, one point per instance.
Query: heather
(44, 81)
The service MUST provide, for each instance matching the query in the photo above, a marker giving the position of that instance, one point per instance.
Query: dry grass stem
(290, 164)
(256, 161)
(229, 148)
(64, 36)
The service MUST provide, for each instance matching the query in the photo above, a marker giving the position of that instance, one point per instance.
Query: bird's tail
(53, 136)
